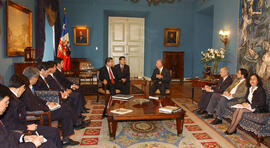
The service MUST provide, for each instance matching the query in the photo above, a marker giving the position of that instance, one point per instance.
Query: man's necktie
(1, 123)
(32, 89)
(233, 85)
(122, 69)
(111, 76)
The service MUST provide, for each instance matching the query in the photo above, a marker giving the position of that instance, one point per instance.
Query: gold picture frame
(81, 35)
(171, 37)
(18, 29)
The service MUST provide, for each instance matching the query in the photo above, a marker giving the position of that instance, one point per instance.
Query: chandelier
(156, 2)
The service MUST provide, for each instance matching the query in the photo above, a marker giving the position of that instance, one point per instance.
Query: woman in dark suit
(255, 102)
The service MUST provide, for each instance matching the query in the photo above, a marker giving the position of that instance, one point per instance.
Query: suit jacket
(40, 85)
(33, 102)
(223, 85)
(14, 117)
(240, 91)
(166, 77)
(53, 84)
(120, 75)
(258, 100)
(62, 79)
(9, 139)
(104, 74)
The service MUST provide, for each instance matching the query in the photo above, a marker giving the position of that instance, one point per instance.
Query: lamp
(224, 37)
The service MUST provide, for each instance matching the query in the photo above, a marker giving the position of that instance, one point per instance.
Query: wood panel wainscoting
(174, 61)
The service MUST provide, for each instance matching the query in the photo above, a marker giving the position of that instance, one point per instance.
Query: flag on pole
(63, 50)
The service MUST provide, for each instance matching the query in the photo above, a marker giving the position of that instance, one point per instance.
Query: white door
(126, 38)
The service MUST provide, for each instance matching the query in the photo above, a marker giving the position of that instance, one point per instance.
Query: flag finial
(65, 11)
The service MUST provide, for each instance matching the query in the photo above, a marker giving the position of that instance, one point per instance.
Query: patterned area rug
(238, 140)
(144, 134)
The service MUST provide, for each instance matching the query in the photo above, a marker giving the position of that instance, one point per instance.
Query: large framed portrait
(81, 35)
(171, 37)
(18, 29)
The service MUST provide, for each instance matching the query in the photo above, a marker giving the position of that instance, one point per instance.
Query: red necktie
(111, 76)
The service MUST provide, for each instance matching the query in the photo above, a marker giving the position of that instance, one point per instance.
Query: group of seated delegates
(12, 139)
(161, 78)
(247, 91)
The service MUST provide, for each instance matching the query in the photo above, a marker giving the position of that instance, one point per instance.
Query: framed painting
(81, 35)
(171, 37)
(18, 29)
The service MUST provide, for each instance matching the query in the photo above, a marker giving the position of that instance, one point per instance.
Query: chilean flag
(63, 50)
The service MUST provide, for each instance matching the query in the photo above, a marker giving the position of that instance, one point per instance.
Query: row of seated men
(245, 89)
(22, 97)
(118, 77)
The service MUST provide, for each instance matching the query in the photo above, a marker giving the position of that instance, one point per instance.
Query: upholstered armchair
(255, 124)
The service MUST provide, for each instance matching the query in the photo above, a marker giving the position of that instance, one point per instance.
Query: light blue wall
(226, 14)
(6, 63)
(94, 14)
(48, 47)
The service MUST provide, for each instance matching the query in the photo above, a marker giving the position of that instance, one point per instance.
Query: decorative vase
(215, 68)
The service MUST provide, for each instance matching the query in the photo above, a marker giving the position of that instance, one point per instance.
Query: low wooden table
(200, 83)
(147, 111)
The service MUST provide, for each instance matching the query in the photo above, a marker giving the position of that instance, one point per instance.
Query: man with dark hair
(107, 76)
(122, 75)
(15, 116)
(161, 78)
(236, 91)
(224, 82)
(64, 114)
(10, 139)
(76, 98)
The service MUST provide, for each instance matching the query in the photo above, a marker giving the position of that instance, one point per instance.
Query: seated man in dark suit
(15, 116)
(224, 82)
(9, 139)
(122, 75)
(107, 76)
(64, 114)
(161, 78)
(77, 99)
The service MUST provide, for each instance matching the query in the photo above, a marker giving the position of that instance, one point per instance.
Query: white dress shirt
(108, 69)
(233, 91)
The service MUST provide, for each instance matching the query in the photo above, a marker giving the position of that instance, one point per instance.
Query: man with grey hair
(161, 78)
(224, 82)
(65, 114)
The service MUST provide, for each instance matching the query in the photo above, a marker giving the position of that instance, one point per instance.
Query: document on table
(241, 106)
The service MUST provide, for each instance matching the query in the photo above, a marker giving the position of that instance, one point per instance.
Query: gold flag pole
(65, 11)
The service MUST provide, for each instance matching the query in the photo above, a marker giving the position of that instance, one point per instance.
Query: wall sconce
(224, 37)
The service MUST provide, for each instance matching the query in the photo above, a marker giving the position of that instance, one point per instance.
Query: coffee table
(145, 111)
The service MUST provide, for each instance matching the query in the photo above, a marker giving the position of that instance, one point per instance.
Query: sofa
(255, 124)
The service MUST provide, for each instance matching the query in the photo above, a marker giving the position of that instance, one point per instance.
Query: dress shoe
(208, 116)
(84, 108)
(67, 141)
(216, 121)
(227, 133)
(82, 117)
(84, 111)
(196, 110)
(201, 112)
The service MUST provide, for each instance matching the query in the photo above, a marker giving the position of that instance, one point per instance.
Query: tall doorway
(126, 38)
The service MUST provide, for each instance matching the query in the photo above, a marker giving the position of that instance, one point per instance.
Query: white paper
(241, 106)
(152, 97)
(227, 97)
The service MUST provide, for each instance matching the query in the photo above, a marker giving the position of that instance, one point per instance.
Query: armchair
(38, 116)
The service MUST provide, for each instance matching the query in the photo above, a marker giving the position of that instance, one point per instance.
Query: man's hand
(207, 88)
(159, 76)
(226, 94)
(245, 104)
(105, 82)
(64, 95)
(51, 104)
(68, 91)
(124, 80)
(74, 86)
(31, 127)
(37, 141)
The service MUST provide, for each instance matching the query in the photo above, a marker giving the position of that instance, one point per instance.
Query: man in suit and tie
(10, 139)
(107, 76)
(122, 75)
(161, 78)
(224, 82)
(235, 92)
(15, 116)
(64, 114)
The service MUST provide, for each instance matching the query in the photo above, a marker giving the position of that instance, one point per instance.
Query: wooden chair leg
(259, 140)
(97, 97)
